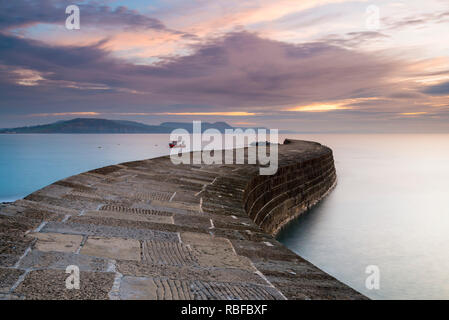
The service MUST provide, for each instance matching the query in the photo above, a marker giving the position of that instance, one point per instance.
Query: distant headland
(92, 125)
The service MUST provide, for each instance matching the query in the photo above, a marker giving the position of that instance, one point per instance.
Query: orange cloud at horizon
(346, 104)
(413, 113)
(318, 107)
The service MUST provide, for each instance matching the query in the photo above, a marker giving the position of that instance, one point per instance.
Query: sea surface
(29, 162)
(389, 209)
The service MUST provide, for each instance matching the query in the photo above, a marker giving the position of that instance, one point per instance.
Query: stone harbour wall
(151, 229)
(272, 201)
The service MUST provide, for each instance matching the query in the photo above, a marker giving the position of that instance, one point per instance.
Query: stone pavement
(153, 230)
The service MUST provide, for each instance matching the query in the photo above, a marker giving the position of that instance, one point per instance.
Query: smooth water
(389, 209)
(29, 162)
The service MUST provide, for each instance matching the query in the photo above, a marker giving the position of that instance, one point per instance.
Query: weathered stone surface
(156, 252)
(61, 260)
(113, 248)
(150, 229)
(168, 289)
(7, 296)
(231, 291)
(176, 205)
(57, 242)
(256, 250)
(51, 285)
(219, 257)
(8, 278)
(130, 216)
(8, 260)
(200, 239)
(207, 274)
(131, 225)
(138, 208)
(15, 248)
(154, 289)
(215, 251)
(119, 232)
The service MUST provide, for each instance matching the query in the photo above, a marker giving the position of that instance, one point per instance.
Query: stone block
(57, 242)
(112, 248)
(130, 216)
(51, 285)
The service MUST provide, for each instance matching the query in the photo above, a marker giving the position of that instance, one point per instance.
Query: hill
(92, 125)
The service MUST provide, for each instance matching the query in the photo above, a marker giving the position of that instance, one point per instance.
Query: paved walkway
(152, 230)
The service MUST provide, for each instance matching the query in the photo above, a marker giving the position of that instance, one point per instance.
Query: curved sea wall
(300, 182)
(151, 229)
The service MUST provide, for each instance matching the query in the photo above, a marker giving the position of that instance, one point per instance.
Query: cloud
(203, 16)
(319, 107)
(305, 56)
(438, 89)
(127, 33)
(352, 39)
(23, 13)
(238, 70)
(413, 113)
(417, 20)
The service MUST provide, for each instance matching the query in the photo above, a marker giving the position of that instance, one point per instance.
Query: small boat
(260, 143)
(174, 144)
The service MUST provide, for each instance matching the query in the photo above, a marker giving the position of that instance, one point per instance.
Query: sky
(301, 65)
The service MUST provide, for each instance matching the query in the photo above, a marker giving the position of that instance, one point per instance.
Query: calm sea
(29, 162)
(390, 207)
